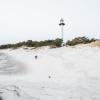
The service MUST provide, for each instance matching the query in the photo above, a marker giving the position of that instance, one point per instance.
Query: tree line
(55, 43)
(79, 40)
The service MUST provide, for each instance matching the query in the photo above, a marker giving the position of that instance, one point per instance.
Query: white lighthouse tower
(62, 24)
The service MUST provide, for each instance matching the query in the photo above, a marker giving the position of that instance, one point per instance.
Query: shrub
(79, 40)
(58, 42)
(30, 43)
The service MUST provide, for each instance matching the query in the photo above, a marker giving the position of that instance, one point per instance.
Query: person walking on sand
(36, 56)
(49, 77)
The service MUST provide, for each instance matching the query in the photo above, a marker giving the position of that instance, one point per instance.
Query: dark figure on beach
(49, 77)
(36, 57)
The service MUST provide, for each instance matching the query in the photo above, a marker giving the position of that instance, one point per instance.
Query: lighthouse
(62, 24)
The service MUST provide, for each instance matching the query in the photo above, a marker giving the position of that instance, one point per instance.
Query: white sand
(57, 74)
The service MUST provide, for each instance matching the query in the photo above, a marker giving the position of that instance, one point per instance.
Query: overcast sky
(38, 19)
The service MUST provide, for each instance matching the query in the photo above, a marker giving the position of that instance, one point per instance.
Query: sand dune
(57, 74)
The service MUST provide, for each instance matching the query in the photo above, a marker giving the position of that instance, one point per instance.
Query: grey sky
(38, 19)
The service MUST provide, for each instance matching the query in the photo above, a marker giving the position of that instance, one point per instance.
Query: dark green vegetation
(79, 40)
(53, 43)
(57, 43)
